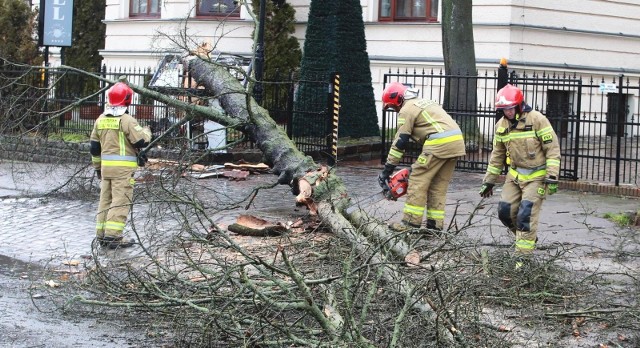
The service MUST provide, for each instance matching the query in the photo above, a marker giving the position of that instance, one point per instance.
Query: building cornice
(512, 64)
(565, 29)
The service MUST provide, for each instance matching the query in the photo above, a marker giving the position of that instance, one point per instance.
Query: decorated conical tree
(335, 43)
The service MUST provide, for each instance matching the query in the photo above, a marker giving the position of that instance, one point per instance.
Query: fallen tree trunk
(327, 192)
(279, 151)
(343, 228)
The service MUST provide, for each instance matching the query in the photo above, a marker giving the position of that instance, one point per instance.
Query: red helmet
(393, 96)
(120, 95)
(508, 97)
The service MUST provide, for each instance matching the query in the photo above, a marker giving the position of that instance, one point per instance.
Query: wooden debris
(236, 174)
(71, 262)
(412, 259)
(306, 186)
(304, 197)
(52, 284)
(248, 225)
(253, 168)
(199, 279)
(200, 171)
(158, 164)
(205, 175)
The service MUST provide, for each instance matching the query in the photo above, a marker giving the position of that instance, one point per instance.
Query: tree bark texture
(459, 55)
(279, 151)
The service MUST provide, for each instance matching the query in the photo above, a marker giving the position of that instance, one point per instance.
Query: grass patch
(69, 137)
(621, 219)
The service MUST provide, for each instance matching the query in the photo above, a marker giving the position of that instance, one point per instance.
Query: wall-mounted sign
(56, 22)
(608, 88)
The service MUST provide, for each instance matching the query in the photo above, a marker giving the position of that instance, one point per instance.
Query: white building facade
(590, 35)
(597, 37)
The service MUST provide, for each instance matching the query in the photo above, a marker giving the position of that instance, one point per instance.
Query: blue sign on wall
(58, 20)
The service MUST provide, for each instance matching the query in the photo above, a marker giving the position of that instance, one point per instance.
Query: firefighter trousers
(519, 210)
(116, 196)
(428, 185)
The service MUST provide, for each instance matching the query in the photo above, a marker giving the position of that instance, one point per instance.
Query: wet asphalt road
(42, 229)
(37, 230)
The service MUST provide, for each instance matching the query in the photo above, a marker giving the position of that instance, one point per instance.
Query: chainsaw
(396, 188)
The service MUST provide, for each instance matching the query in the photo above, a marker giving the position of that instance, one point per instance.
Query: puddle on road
(13, 267)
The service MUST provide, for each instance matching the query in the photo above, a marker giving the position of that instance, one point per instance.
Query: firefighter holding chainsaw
(116, 141)
(525, 141)
(425, 122)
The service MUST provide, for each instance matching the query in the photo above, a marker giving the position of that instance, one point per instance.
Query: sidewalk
(36, 229)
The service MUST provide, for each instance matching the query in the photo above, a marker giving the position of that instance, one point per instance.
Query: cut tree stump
(248, 225)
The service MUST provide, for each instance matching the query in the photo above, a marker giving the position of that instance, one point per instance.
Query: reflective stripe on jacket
(116, 135)
(529, 147)
(429, 124)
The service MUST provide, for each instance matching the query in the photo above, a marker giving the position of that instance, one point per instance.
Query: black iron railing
(66, 101)
(596, 120)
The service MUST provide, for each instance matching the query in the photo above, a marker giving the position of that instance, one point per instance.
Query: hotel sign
(56, 22)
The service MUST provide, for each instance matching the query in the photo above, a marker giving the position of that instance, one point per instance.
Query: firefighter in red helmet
(116, 141)
(525, 141)
(427, 123)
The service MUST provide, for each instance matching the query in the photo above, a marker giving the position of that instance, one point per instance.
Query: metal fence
(287, 98)
(302, 106)
(596, 119)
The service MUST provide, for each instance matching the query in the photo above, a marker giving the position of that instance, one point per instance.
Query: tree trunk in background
(460, 63)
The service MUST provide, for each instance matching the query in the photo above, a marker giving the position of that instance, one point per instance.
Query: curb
(600, 188)
(595, 188)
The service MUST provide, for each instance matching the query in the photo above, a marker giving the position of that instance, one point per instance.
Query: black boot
(101, 242)
(118, 242)
(431, 228)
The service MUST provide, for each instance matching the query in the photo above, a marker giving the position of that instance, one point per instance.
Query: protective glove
(551, 184)
(142, 158)
(383, 177)
(486, 190)
(99, 174)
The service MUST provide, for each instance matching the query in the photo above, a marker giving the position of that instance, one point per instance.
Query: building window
(144, 8)
(409, 10)
(218, 8)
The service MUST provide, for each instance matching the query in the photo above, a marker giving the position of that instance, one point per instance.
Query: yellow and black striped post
(336, 114)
